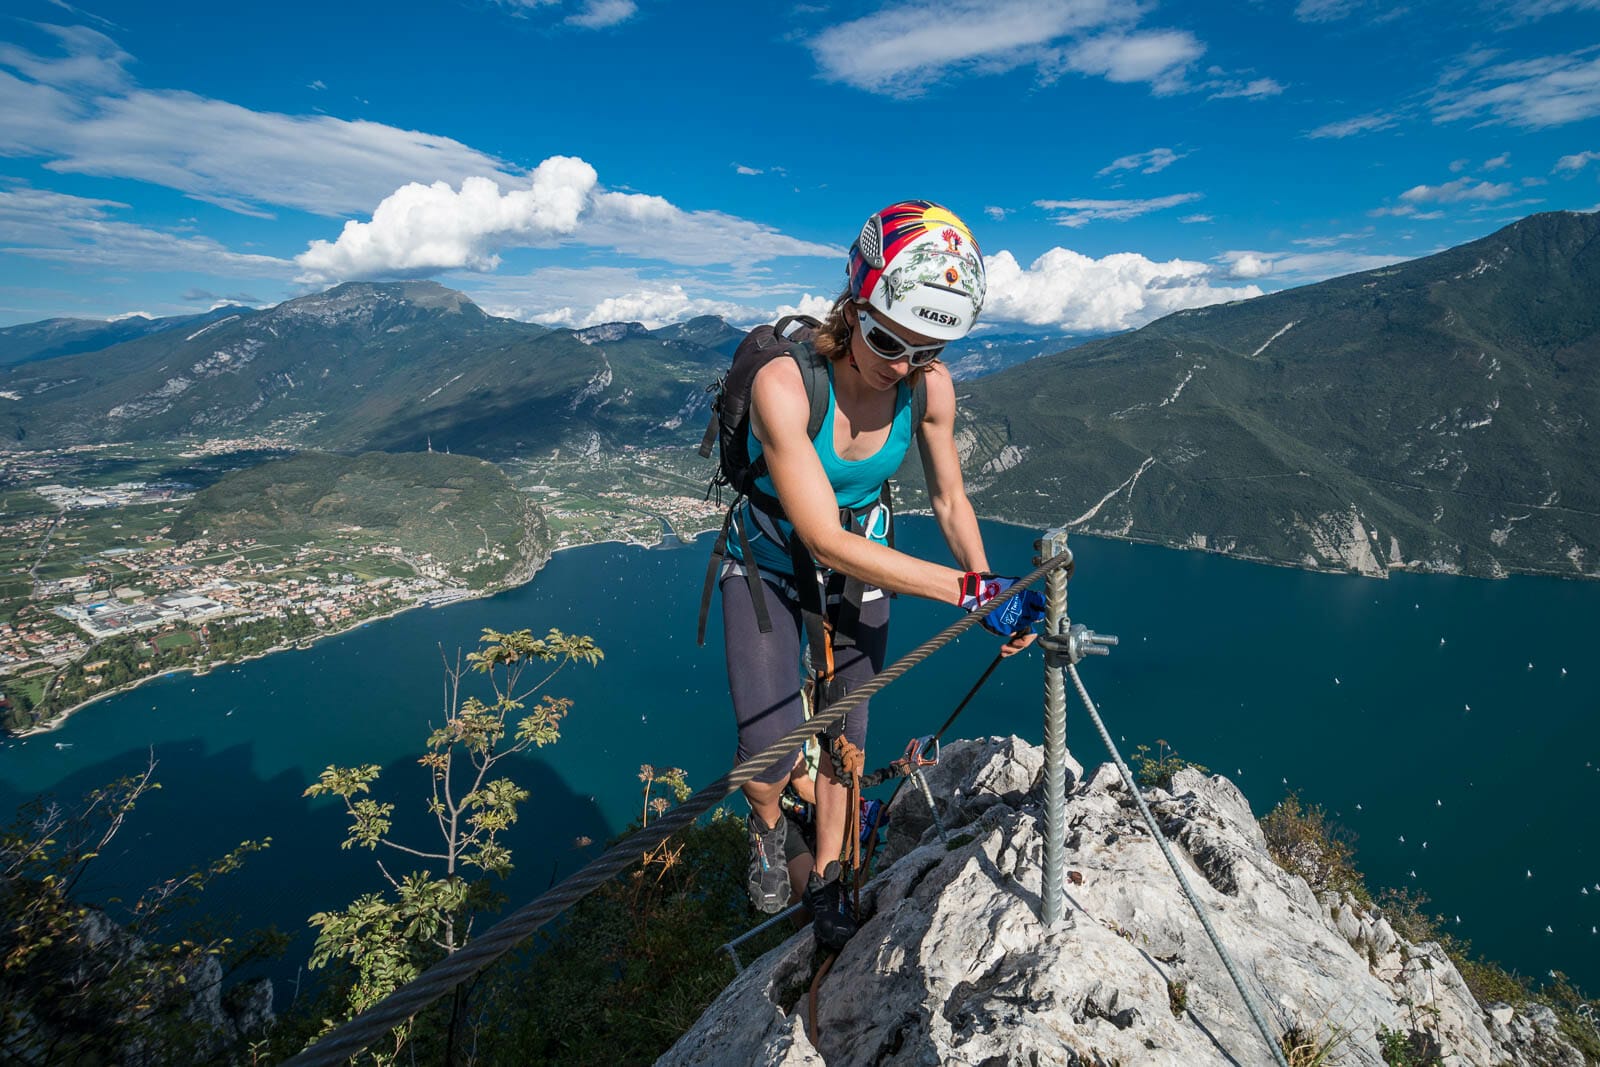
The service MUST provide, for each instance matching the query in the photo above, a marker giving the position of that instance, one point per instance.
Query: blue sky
(575, 161)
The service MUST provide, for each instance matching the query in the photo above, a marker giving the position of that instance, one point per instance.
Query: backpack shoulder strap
(919, 403)
(814, 371)
(797, 331)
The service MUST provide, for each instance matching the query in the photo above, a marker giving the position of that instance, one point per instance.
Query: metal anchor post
(1051, 545)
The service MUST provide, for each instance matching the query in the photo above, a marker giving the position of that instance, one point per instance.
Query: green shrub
(1304, 842)
(1177, 996)
(1155, 772)
(1408, 1048)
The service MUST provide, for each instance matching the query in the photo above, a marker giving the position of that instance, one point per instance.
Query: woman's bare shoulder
(778, 396)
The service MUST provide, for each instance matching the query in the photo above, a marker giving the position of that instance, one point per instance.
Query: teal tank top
(857, 484)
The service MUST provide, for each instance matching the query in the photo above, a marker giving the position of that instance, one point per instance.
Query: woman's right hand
(1013, 616)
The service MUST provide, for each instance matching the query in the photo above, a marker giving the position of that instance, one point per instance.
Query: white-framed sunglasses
(886, 344)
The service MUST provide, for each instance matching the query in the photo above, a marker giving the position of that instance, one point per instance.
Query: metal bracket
(1051, 545)
(1079, 641)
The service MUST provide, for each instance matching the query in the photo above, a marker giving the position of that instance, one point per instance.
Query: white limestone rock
(953, 965)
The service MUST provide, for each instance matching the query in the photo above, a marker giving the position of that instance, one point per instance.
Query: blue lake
(1455, 712)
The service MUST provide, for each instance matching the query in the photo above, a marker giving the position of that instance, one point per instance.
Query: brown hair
(832, 338)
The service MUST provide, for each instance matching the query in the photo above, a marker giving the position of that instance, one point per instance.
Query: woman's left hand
(1017, 643)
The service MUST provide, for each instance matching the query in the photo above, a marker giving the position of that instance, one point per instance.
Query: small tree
(672, 779)
(390, 937)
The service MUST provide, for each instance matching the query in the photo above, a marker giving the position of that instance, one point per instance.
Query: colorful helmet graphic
(917, 264)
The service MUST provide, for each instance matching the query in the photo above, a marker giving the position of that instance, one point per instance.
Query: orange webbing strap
(849, 762)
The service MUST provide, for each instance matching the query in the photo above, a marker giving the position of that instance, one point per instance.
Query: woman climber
(822, 553)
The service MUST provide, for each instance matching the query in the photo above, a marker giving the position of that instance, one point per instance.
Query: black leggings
(764, 669)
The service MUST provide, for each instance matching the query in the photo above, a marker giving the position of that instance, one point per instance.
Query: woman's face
(881, 373)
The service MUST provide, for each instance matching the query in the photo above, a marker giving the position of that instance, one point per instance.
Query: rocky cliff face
(954, 965)
(100, 995)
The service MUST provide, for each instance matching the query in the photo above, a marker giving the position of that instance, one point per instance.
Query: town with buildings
(67, 600)
(88, 565)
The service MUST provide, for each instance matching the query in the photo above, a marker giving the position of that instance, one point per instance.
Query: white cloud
(1190, 219)
(1159, 57)
(1151, 162)
(1324, 10)
(1302, 268)
(1529, 10)
(652, 228)
(1082, 295)
(1459, 165)
(1462, 189)
(1405, 211)
(900, 50)
(1255, 89)
(815, 306)
(740, 168)
(318, 85)
(1577, 161)
(1351, 127)
(1075, 213)
(1331, 240)
(1375, 12)
(423, 229)
(84, 232)
(1249, 265)
(997, 213)
(578, 297)
(92, 61)
(1533, 93)
(420, 230)
(598, 14)
(591, 15)
(1502, 160)
(80, 116)
(654, 307)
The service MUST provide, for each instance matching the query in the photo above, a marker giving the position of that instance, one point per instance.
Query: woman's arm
(779, 411)
(947, 492)
(941, 467)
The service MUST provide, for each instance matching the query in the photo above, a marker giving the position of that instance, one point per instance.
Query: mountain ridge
(1428, 416)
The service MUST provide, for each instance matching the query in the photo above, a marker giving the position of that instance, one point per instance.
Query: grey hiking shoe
(833, 920)
(769, 868)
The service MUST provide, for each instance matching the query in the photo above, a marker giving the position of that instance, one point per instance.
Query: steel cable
(354, 1035)
(1183, 879)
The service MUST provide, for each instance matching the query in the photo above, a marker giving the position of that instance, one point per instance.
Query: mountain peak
(610, 331)
(368, 302)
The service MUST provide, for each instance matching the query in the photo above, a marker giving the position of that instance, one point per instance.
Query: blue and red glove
(1014, 615)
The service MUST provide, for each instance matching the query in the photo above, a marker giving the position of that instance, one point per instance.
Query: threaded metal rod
(1053, 544)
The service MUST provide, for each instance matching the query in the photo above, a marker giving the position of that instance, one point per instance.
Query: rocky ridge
(954, 966)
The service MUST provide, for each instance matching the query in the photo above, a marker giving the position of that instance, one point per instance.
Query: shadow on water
(209, 802)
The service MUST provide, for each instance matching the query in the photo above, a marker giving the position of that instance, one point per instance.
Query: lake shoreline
(518, 580)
